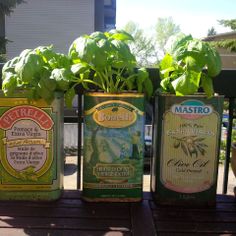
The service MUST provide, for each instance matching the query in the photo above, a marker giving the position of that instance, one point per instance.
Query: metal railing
(224, 84)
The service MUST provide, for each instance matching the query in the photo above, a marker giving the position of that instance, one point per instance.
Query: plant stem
(118, 77)
(103, 85)
(127, 79)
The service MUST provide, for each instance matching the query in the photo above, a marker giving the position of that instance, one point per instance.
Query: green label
(113, 148)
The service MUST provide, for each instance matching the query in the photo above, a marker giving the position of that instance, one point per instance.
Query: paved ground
(70, 180)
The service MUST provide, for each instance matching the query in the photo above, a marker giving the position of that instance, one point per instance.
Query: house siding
(45, 22)
(228, 58)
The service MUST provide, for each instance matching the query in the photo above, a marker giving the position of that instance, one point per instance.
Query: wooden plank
(195, 227)
(187, 234)
(225, 198)
(62, 232)
(72, 216)
(141, 219)
(147, 196)
(176, 220)
(65, 212)
(66, 203)
(62, 202)
(64, 223)
(71, 194)
(167, 215)
(222, 206)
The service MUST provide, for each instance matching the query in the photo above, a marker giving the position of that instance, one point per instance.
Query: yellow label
(114, 114)
(189, 154)
(26, 139)
(11, 102)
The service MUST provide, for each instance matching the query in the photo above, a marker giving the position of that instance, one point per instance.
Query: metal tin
(113, 147)
(31, 148)
(186, 149)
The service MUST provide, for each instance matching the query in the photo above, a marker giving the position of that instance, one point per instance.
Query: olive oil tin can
(187, 133)
(31, 148)
(113, 147)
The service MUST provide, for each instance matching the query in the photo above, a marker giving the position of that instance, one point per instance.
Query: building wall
(228, 58)
(45, 22)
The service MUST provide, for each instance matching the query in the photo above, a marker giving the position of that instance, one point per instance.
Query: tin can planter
(186, 149)
(113, 147)
(31, 148)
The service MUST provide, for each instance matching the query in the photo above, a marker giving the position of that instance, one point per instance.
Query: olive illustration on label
(28, 174)
(192, 146)
(176, 143)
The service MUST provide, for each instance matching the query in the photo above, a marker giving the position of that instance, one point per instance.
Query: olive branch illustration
(28, 173)
(191, 145)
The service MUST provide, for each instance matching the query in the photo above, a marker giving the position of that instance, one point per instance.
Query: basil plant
(189, 65)
(40, 72)
(104, 60)
(100, 60)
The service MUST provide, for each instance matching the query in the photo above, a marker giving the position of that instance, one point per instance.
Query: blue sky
(193, 16)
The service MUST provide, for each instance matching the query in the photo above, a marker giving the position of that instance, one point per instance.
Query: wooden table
(71, 216)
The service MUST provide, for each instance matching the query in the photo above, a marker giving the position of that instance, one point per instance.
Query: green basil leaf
(166, 66)
(45, 52)
(176, 42)
(59, 61)
(165, 84)
(79, 68)
(97, 36)
(9, 83)
(197, 50)
(122, 50)
(32, 94)
(25, 52)
(120, 35)
(187, 83)
(69, 96)
(213, 62)
(29, 67)
(62, 78)
(99, 59)
(166, 62)
(207, 85)
(142, 74)
(193, 64)
(9, 66)
(77, 48)
(49, 83)
(45, 93)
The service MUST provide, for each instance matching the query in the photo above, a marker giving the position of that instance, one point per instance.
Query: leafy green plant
(189, 65)
(39, 72)
(102, 60)
(105, 61)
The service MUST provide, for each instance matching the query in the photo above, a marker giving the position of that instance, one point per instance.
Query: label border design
(167, 183)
